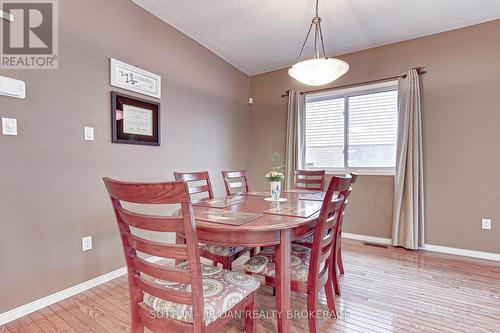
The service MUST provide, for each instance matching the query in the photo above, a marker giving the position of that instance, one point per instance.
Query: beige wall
(461, 120)
(51, 193)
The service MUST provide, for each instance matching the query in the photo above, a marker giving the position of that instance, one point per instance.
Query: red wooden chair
(196, 177)
(164, 298)
(224, 255)
(235, 180)
(310, 266)
(337, 258)
(309, 180)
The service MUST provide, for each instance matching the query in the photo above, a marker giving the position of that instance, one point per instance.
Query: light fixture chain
(322, 43)
(305, 41)
(316, 51)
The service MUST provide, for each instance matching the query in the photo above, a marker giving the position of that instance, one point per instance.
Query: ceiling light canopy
(319, 70)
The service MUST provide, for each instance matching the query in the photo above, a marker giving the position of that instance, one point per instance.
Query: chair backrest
(325, 233)
(138, 268)
(346, 194)
(310, 180)
(235, 180)
(196, 177)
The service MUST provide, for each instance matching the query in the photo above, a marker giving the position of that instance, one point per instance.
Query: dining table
(274, 223)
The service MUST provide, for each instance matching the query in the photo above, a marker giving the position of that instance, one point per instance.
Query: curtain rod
(420, 71)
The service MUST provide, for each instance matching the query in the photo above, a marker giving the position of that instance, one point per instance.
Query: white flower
(273, 176)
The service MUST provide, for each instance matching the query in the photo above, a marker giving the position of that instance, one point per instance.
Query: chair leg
(312, 304)
(250, 323)
(330, 299)
(138, 328)
(339, 258)
(137, 325)
(226, 263)
(135, 298)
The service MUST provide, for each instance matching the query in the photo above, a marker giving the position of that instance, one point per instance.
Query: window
(352, 130)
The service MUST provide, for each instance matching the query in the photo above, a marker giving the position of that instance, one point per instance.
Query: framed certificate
(134, 120)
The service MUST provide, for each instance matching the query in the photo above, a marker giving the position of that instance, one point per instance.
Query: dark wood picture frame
(118, 135)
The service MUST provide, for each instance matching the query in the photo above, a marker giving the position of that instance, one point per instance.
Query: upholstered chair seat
(222, 289)
(225, 251)
(264, 263)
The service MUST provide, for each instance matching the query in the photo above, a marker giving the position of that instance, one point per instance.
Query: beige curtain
(408, 216)
(293, 135)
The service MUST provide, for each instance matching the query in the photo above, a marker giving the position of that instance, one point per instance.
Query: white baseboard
(462, 252)
(428, 247)
(23, 310)
(41, 303)
(364, 238)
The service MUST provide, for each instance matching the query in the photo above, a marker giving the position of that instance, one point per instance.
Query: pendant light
(319, 70)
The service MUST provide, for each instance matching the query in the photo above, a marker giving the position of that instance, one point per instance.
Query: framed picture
(134, 79)
(134, 121)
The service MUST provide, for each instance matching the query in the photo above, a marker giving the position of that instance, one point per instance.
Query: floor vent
(376, 245)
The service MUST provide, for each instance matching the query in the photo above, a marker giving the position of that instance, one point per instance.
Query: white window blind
(353, 129)
(325, 133)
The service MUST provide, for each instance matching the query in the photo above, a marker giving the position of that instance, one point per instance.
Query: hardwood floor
(383, 290)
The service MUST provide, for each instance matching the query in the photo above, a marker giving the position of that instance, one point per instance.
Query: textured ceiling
(258, 36)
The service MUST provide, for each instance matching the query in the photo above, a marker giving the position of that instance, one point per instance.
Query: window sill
(359, 171)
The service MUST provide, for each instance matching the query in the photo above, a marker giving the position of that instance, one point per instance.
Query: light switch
(86, 243)
(9, 126)
(88, 133)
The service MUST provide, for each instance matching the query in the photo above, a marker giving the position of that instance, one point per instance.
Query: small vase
(275, 190)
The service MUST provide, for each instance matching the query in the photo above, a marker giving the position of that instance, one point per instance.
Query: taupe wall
(461, 120)
(51, 193)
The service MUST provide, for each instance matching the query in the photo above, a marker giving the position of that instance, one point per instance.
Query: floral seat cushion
(222, 290)
(264, 263)
(220, 250)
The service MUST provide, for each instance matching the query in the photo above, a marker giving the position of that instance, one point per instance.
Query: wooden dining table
(266, 230)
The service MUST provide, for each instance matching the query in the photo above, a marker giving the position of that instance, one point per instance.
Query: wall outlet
(486, 224)
(86, 243)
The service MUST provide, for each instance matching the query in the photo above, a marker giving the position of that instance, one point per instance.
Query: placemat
(296, 209)
(223, 216)
(219, 202)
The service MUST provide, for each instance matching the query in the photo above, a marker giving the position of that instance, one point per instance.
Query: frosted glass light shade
(319, 71)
